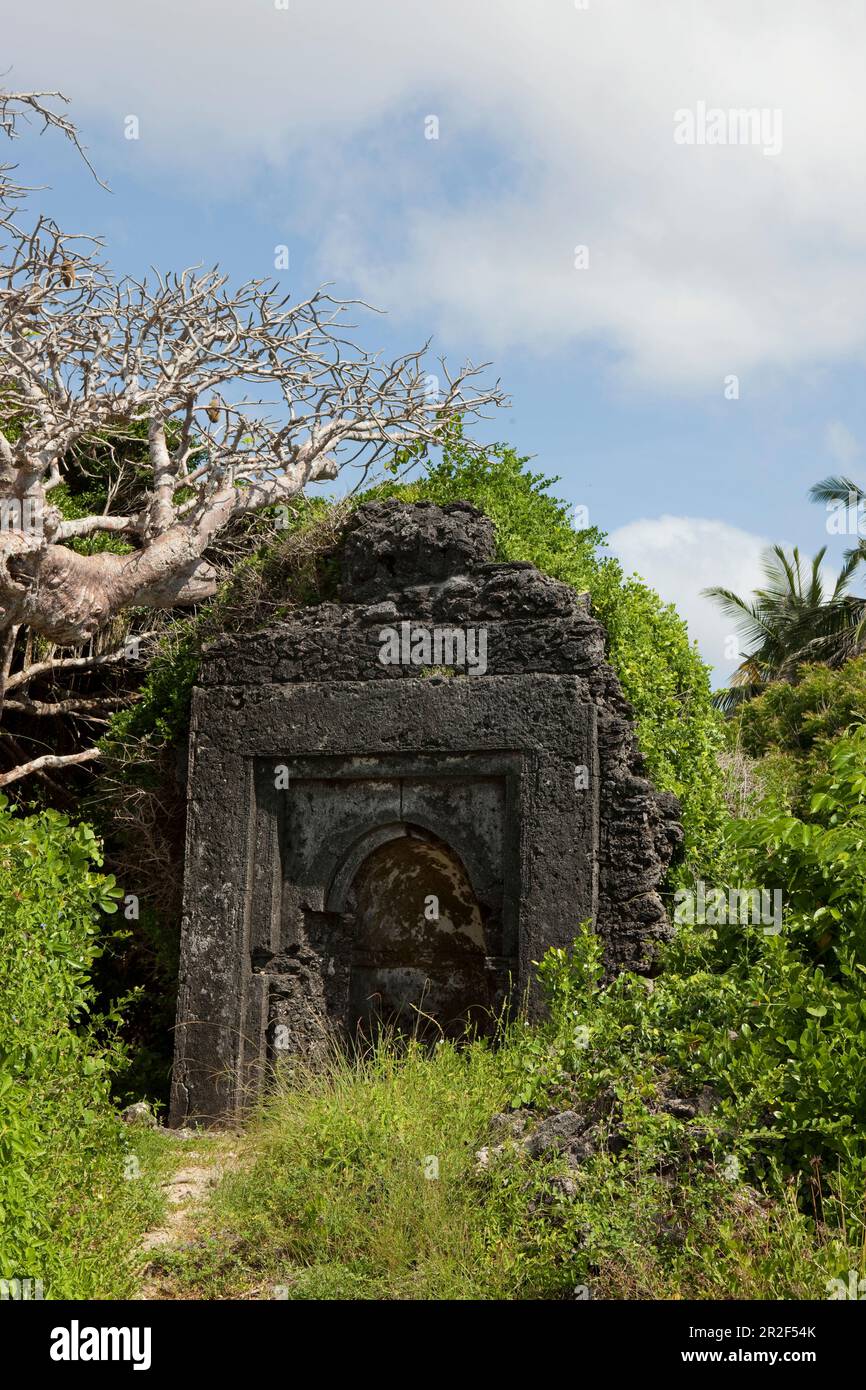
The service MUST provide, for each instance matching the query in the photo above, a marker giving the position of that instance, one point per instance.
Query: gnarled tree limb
(245, 396)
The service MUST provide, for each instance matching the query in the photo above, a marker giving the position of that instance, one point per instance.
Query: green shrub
(777, 1044)
(66, 1206)
(798, 717)
(790, 730)
(774, 1020)
(804, 1054)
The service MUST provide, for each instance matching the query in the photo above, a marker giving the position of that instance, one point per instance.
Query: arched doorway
(418, 954)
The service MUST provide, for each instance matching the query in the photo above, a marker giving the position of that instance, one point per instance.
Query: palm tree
(847, 493)
(850, 638)
(790, 621)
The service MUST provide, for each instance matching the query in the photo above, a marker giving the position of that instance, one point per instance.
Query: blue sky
(307, 125)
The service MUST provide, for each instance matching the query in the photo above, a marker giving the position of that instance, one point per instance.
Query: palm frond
(836, 489)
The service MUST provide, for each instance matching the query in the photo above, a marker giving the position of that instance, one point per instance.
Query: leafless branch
(46, 761)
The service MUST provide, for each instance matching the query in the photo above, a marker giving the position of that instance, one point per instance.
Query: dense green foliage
(800, 717)
(803, 1054)
(788, 732)
(67, 1201)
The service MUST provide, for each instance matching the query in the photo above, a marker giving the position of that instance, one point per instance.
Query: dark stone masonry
(398, 802)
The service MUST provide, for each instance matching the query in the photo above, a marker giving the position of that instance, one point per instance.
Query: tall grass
(361, 1181)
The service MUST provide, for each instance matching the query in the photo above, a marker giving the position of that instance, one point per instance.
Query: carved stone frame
(421, 749)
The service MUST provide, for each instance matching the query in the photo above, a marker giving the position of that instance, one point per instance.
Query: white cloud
(556, 130)
(681, 555)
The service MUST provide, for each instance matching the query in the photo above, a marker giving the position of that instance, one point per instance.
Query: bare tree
(245, 397)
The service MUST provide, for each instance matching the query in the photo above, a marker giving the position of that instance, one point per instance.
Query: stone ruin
(398, 802)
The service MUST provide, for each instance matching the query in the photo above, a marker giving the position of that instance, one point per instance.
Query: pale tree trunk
(246, 397)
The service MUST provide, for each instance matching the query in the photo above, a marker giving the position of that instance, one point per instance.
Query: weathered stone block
(371, 838)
